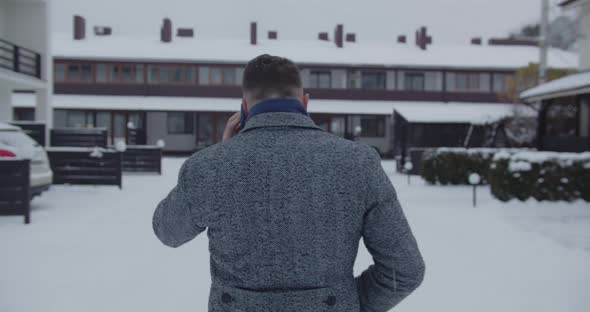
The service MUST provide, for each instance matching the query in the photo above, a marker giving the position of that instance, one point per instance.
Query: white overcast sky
(449, 21)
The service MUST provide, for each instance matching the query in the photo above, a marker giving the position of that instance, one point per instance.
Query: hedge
(544, 176)
(454, 165)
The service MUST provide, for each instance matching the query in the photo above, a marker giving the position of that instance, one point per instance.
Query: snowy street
(92, 249)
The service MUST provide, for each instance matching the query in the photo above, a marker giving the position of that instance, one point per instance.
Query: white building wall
(584, 41)
(2, 19)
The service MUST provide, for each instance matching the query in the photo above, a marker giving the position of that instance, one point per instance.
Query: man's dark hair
(268, 76)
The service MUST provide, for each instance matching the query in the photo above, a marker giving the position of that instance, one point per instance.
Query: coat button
(226, 298)
(331, 301)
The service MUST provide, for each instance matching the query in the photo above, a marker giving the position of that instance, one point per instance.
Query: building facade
(25, 61)
(181, 89)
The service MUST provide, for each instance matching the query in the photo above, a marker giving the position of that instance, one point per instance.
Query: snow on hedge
(563, 159)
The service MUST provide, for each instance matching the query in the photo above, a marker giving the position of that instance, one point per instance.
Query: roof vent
(324, 36)
(422, 38)
(166, 31)
(253, 33)
(273, 35)
(476, 41)
(512, 42)
(402, 39)
(185, 32)
(79, 27)
(351, 37)
(103, 30)
(339, 35)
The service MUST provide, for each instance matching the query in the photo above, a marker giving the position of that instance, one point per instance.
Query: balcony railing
(19, 59)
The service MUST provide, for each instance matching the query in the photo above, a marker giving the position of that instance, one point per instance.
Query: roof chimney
(351, 37)
(324, 36)
(273, 35)
(476, 41)
(339, 35)
(166, 31)
(79, 27)
(103, 30)
(422, 38)
(253, 33)
(402, 39)
(185, 32)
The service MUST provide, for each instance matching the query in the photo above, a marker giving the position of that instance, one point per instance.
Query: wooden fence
(15, 187)
(96, 166)
(79, 137)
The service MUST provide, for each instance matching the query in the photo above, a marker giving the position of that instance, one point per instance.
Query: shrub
(541, 175)
(454, 165)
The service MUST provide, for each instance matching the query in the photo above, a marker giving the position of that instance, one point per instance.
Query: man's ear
(305, 100)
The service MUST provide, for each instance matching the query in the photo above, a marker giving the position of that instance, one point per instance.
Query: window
(501, 82)
(320, 79)
(414, 81)
(180, 123)
(373, 80)
(468, 82)
(229, 76)
(119, 73)
(373, 126)
(73, 72)
(60, 72)
(24, 113)
(203, 75)
(101, 73)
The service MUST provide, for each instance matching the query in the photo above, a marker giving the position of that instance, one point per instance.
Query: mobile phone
(243, 116)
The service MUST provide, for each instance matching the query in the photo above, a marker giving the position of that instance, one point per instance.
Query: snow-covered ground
(92, 249)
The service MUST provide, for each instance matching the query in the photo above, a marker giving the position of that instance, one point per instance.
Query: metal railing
(19, 59)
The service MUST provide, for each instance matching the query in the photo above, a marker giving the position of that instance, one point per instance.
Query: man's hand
(232, 127)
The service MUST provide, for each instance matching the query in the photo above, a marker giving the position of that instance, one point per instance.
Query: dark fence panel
(34, 129)
(565, 144)
(80, 137)
(138, 158)
(95, 166)
(15, 195)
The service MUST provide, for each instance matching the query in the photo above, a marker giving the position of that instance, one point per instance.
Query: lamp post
(408, 166)
(474, 180)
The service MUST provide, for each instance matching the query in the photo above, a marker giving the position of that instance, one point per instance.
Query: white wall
(5, 103)
(584, 41)
(2, 18)
(25, 24)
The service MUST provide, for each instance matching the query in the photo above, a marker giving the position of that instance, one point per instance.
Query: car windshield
(16, 139)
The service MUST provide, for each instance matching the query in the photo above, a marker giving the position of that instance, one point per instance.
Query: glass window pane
(127, 74)
(86, 72)
(164, 74)
(205, 129)
(190, 75)
(153, 74)
(60, 72)
(75, 119)
(240, 75)
(139, 73)
(373, 80)
(229, 76)
(203, 75)
(73, 72)
(216, 76)
(114, 73)
(101, 73)
(180, 123)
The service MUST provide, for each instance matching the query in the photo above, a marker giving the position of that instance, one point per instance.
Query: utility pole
(544, 41)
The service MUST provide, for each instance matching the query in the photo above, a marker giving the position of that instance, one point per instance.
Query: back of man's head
(268, 77)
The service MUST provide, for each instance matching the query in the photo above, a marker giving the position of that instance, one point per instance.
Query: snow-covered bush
(454, 165)
(541, 175)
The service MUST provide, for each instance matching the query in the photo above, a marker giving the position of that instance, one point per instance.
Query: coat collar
(279, 119)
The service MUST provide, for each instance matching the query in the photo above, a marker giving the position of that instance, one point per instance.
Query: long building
(181, 88)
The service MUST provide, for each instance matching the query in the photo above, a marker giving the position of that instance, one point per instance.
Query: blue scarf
(274, 105)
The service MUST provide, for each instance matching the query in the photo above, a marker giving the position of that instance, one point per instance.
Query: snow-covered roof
(570, 85)
(424, 112)
(474, 113)
(5, 127)
(306, 52)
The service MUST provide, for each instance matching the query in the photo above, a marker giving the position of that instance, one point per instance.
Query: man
(285, 204)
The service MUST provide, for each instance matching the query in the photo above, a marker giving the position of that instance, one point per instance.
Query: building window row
(80, 72)
(374, 79)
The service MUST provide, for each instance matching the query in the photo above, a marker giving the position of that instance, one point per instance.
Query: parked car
(14, 143)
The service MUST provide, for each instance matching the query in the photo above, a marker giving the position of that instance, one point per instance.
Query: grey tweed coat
(285, 204)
